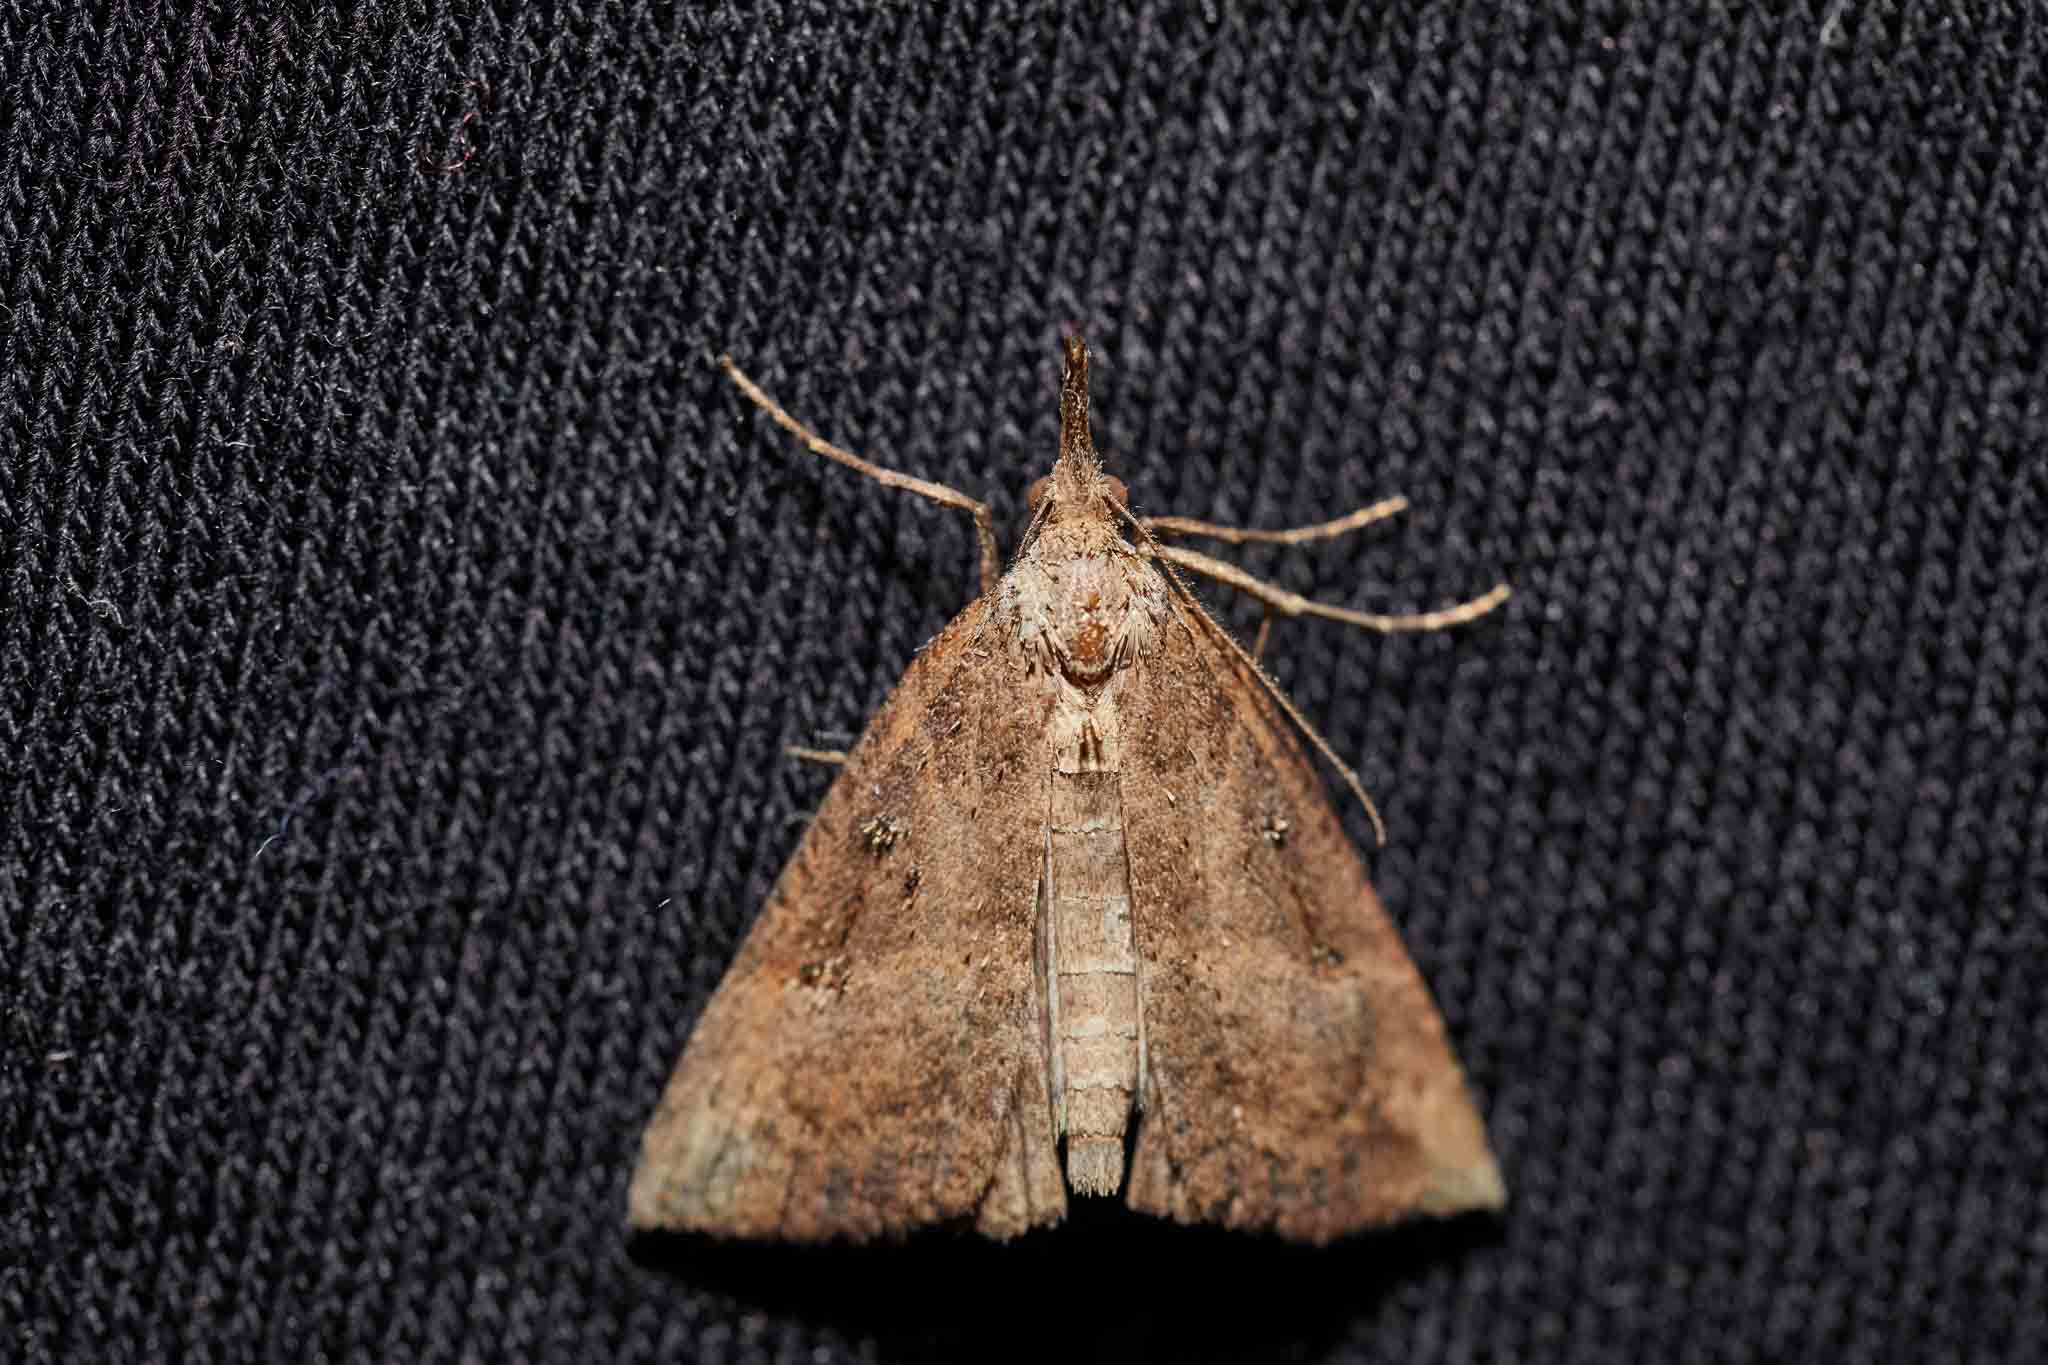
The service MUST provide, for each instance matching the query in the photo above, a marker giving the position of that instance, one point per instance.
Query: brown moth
(1077, 892)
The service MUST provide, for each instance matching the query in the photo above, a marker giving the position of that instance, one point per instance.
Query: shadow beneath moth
(1075, 916)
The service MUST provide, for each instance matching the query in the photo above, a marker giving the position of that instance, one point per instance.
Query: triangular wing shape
(1297, 1074)
(873, 1060)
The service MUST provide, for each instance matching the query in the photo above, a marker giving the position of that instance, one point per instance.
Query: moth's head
(1077, 483)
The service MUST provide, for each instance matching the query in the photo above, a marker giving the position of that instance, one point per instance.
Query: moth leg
(835, 757)
(1293, 535)
(984, 520)
(1279, 600)
(1285, 603)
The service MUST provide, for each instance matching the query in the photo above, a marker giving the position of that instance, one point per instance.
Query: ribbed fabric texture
(401, 621)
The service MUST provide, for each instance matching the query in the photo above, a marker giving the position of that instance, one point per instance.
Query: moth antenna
(1273, 689)
(1034, 526)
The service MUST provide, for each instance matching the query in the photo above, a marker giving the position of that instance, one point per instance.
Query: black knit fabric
(401, 621)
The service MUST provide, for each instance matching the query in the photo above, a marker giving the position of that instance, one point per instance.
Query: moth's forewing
(1298, 1075)
(873, 1059)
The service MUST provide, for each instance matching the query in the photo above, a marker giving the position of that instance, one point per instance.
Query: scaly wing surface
(873, 1061)
(1298, 1078)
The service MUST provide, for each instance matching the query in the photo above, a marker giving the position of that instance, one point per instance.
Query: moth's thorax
(1084, 602)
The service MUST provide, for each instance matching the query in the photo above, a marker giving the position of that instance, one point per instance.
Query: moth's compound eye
(1039, 488)
(1117, 492)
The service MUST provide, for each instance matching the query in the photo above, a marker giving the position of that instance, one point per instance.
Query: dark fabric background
(403, 620)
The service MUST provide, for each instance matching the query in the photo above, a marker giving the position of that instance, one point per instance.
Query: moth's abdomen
(1092, 975)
